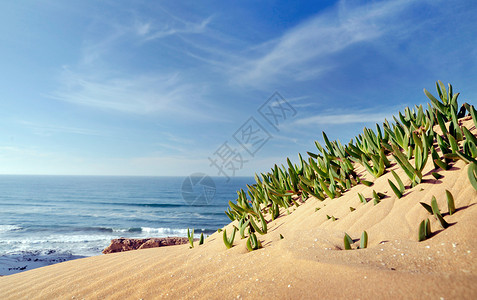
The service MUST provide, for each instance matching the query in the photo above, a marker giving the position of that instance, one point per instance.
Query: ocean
(50, 219)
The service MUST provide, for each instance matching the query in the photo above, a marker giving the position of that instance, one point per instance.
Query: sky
(225, 88)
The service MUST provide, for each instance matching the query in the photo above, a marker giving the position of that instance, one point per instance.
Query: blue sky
(158, 87)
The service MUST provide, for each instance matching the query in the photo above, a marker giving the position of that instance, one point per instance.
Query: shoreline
(29, 260)
(307, 263)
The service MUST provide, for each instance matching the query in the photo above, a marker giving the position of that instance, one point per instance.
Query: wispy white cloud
(150, 31)
(141, 94)
(339, 119)
(97, 83)
(114, 34)
(298, 102)
(344, 117)
(161, 94)
(170, 141)
(10, 151)
(142, 29)
(304, 51)
(49, 129)
(177, 139)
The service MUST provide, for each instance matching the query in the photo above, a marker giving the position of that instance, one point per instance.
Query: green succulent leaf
(427, 207)
(263, 230)
(453, 143)
(472, 174)
(367, 183)
(428, 228)
(424, 230)
(441, 164)
(229, 241)
(201, 240)
(242, 227)
(361, 198)
(364, 240)
(395, 189)
(473, 113)
(450, 202)
(190, 237)
(435, 208)
(347, 242)
(399, 181)
(441, 220)
(253, 243)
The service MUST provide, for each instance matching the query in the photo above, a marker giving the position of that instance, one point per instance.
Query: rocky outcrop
(124, 244)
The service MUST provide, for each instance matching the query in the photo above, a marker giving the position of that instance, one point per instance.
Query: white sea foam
(12, 263)
(165, 231)
(79, 244)
(120, 230)
(6, 228)
(84, 245)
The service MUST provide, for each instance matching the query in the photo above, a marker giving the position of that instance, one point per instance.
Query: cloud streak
(140, 94)
(149, 32)
(96, 83)
(48, 130)
(341, 119)
(305, 51)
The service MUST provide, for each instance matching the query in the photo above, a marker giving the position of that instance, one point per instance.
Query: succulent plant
(427, 207)
(331, 171)
(472, 174)
(437, 213)
(262, 230)
(242, 226)
(399, 181)
(201, 240)
(229, 241)
(364, 240)
(395, 189)
(190, 236)
(362, 198)
(424, 230)
(347, 242)
(253, 243)
(367, 183)
(450, 202)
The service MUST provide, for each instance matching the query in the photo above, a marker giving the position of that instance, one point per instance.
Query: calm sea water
(64, 217)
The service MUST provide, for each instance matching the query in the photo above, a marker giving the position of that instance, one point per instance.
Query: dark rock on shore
(125, 244)
(28, 260)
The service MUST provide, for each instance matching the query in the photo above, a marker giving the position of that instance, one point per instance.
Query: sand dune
(307, 263)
